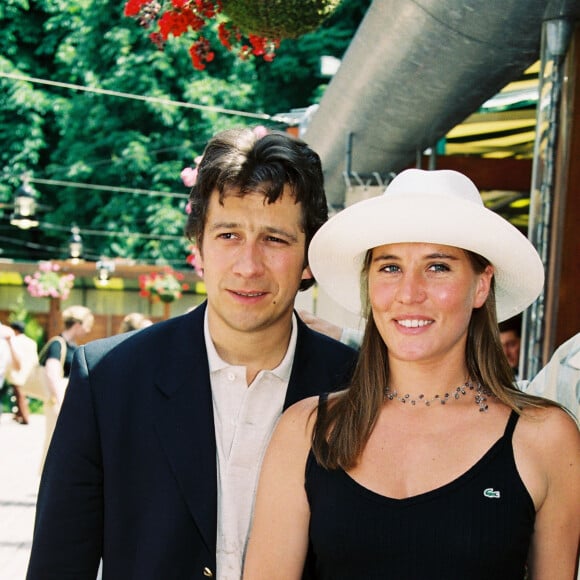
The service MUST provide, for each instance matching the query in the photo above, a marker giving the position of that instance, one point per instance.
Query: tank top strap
(511, 425)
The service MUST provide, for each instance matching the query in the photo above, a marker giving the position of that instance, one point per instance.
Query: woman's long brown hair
(343, 429)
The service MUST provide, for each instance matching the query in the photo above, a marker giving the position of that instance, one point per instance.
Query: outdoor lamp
(75, 244)
(24, 207)
(104, 270)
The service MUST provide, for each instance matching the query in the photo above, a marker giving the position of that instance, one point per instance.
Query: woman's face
(422, 297)
(83, 328)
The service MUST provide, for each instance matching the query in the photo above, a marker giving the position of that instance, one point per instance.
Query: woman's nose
(411, 288)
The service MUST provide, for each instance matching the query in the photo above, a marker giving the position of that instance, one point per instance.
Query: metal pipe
(556, 35)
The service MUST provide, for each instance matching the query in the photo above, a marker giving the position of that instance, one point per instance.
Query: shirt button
(231, 377)
(207, 572)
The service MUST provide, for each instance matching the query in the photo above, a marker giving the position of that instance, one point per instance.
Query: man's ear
(307, 273)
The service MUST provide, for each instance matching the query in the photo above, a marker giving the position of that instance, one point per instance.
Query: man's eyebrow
(223, 225)
(269, 230)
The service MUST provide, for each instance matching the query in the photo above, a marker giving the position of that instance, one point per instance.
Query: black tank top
(478, 527)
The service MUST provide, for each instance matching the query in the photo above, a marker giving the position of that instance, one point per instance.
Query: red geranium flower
(179, 17)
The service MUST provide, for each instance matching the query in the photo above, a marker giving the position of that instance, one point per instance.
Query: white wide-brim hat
(435, 207)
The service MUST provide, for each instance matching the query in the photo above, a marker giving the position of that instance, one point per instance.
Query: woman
(57, 358)
(432, 464)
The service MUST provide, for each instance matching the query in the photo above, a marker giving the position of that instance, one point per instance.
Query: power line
(107, 188)
(50, 251)
(158, 100)
(89, 232)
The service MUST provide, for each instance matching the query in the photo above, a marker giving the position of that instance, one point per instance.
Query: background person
(155, 458)
(349, 336)
(6, 335)
(432, 464)
(559, 380)
(77, 322)
(510, 333)
(24, 356)
(134, 321)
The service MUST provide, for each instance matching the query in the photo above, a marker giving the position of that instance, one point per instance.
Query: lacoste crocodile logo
(491, 493)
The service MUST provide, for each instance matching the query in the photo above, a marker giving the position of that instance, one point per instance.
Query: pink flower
(194, 260)
(260, 131)
(189, 176)
(47, 282)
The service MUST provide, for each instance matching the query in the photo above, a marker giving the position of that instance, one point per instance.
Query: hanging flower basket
(278, 18)
(165, 286)
(264, 22)
(48, 282)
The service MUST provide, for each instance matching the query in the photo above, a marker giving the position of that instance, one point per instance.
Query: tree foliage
(61, 134)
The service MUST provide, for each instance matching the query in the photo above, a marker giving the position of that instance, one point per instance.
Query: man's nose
(249, 260)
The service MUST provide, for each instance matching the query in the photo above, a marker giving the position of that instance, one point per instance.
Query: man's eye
(276, 240)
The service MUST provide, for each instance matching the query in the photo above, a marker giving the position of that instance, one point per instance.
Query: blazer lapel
(319, 365)
(300, 385)
(184, 422)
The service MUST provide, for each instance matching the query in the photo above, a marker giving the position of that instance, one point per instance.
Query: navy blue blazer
(131, 471)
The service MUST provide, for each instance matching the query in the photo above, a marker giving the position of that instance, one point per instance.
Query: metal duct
(414, 70)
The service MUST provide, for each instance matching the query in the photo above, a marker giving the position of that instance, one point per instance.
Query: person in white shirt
(559, 380)
(24, 356)
(6, 335)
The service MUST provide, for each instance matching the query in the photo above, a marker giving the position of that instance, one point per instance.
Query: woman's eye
(390, 268)
(439, 268)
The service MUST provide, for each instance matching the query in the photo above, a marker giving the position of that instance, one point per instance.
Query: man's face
(252, 255)
(510, 343)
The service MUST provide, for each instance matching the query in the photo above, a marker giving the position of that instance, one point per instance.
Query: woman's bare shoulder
(549, 428)
(298, 420)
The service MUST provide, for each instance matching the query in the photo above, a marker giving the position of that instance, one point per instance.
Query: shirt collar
(282, 371)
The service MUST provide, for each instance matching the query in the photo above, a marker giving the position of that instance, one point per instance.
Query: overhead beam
(503, 174)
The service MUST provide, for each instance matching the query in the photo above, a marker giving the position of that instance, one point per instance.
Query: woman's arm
(554, 549)
(55, 383)
(279, 537)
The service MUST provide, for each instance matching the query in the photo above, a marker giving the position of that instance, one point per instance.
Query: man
(24, 357)
(155, 458)
(559, 380)
(510, 333)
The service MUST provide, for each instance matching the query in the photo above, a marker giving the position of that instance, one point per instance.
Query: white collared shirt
(244, 417)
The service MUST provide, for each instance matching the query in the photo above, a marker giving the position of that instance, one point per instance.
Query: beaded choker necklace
(481, 394)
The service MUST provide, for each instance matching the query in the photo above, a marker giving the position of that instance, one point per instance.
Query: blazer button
(207, 572)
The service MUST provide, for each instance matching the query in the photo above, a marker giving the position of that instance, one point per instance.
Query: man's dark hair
(238, 161)
(514, 323)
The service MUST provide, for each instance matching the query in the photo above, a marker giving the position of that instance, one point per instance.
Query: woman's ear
(307, 273)
(483, 286)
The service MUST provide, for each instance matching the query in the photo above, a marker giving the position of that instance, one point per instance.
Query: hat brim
(338, 249)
